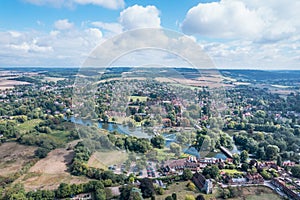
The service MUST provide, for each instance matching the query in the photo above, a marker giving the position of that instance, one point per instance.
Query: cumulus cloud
(263, 21)
(63, 24)
(140, 17)
(222, 19)
(95, 33)
(31, 47)
(115, 28)
(54, 48)
(149, 46)
(110, 4)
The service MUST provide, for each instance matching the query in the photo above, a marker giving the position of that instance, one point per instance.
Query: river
(141, 133)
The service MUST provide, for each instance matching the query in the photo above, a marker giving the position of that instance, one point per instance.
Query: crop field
(8, 84)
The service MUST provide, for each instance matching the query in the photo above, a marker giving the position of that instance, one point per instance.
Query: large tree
(296, 171)
(244, 156)
(175, 148)
(147, 188)
(187, 174)
(211, 171)
(158, 141)
(272, 152)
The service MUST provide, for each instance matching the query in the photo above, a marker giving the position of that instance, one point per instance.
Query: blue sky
(235, 34)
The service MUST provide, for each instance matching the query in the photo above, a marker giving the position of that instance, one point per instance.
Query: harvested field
(56, 162)
(8, 84)
(54, 79)
(14, 156)
(34, 181)
(49, 172)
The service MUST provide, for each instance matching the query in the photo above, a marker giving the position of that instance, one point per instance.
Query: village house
(254, 178)
(248, 179)
(202, 183)
(192, 163)
(267, 165)
(85, 196)
(288, 164)
(237, 181)
(287, 188)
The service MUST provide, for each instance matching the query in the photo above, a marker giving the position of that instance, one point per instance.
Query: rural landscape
(196, 134)
(149, 100)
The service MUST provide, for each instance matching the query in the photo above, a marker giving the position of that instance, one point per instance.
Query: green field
(104, 159)
(141, 98)
(164, 154)
(231, 171)
(28, 125)
(180, 188)
(263, 197)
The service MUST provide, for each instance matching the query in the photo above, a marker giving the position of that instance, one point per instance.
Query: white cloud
(226, 19)
(262, 21)
(249, 55)
(140, 17)
(115, 28)
(111, 4)
(63, 24)
(31, 47)
(94, 33)
(54, 48)
(141, 47)
(15, 34)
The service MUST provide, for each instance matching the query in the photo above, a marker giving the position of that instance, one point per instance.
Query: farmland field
(54, 79)
(8, 84)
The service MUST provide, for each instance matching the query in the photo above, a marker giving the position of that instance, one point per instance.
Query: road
(273, 187)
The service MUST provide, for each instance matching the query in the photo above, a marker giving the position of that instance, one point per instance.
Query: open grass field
(56, 162)
(180, 188)
(248, 193)
(184, 86)
(212, 82)
(141, 98)
(164, 154)
(257, 193)
(104, 159)
(13, 157)
(33, 181)
(28, 125)
(231, 171)
(49, 172)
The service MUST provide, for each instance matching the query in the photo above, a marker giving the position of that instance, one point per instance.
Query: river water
(141, 133)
